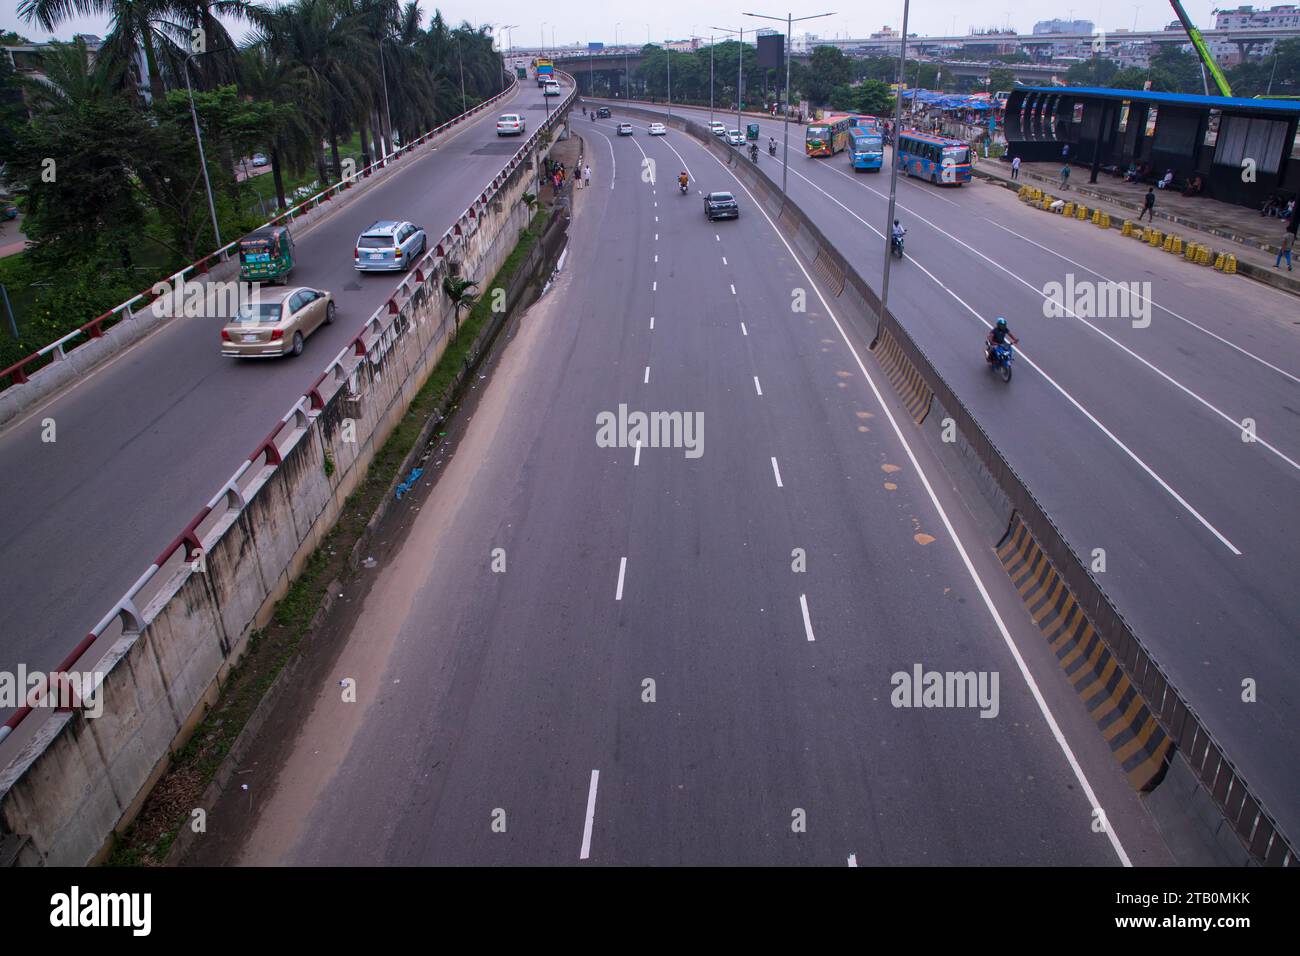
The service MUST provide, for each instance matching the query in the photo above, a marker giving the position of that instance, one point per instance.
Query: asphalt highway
(1131, 434)
(684, 659)
(143, 442)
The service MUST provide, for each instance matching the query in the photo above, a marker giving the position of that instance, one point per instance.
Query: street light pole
(668, 56)
(790, 21)
(203, 161)
(384, 140)
(893, 173)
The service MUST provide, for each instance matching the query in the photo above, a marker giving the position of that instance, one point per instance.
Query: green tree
(1180, 71)
(458, 290)
(827, 68)
(1095, 72)
(74, 160)
(1001, 79)
(135, 25)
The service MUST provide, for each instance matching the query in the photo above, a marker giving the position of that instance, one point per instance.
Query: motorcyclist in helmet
(771, 145)
(682, 178)
(753, 151)
(1000, 334)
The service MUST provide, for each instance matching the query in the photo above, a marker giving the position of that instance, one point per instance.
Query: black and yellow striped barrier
(1135, 737)
(904, 377)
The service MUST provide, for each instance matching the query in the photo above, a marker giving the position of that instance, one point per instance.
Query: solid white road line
(807, 621)
(758, 388)
(974, 574)
(1162, 308)
(591, 815)
(1195, 396)
(622, 569)
(777, 471)
(1114, 439)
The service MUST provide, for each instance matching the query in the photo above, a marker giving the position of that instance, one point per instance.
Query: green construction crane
(1198, 41)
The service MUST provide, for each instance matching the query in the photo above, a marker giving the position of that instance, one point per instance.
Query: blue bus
(867, 150)
(941, 160)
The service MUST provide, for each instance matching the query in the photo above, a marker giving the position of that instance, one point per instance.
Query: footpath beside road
(1224, 227)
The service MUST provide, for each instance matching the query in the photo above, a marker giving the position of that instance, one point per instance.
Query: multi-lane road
(143, 442)
(650, 655)
(1173, 446)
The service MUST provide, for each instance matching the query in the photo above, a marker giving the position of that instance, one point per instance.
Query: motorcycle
(684, 187)
(1001, 360)
(896, 245)
(771, 149)
(753, 154)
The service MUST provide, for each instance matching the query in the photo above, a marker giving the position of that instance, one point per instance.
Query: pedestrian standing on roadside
(1065, 151)
(1015, 167)
(1148, 205)
(1288, 241)
(586, 175)
(1065, 176)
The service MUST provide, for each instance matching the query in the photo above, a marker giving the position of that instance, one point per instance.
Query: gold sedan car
(277, 323)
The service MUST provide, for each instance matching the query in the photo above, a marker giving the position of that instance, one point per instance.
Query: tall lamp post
(198, 136)
(893, 171)
(790, 20)
(740, 67)
(696, 37)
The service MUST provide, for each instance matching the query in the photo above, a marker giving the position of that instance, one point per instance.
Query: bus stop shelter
(1243, 149)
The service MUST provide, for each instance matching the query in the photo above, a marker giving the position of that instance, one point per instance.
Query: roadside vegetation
(100, 153)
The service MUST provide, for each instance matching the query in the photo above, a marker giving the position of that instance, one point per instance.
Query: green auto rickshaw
(266, 255)
(751, 132)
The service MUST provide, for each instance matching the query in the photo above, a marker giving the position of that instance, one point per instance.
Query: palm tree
(327, 59)
(462, 299)
(136, 25)
(295, 142)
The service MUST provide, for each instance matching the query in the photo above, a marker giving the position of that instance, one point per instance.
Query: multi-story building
(1045, 27)
(1248, 18)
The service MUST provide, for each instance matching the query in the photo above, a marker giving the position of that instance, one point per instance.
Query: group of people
(559, 175)
(1275, 206)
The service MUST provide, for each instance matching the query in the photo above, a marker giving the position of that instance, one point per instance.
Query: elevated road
(144, 441)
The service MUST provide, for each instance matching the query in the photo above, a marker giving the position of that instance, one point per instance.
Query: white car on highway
(657, 129)
(510, 124)
(551, 88)
(736, 138)
(718, 129)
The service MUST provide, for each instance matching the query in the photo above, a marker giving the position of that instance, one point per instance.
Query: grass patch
(150, 837)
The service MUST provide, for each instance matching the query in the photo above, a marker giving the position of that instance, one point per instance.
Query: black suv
(721, 206)
(602, 113)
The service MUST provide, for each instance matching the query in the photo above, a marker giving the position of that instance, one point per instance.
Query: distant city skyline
(678, 19)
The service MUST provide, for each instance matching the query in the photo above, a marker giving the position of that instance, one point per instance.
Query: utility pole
(893, 173)
(790, 21)
(198, 136)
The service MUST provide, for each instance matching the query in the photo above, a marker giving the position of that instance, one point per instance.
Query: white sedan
(718, 128)
(736, 138)
(657, 129)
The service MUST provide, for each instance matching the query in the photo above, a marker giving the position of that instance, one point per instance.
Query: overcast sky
(678, 19)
